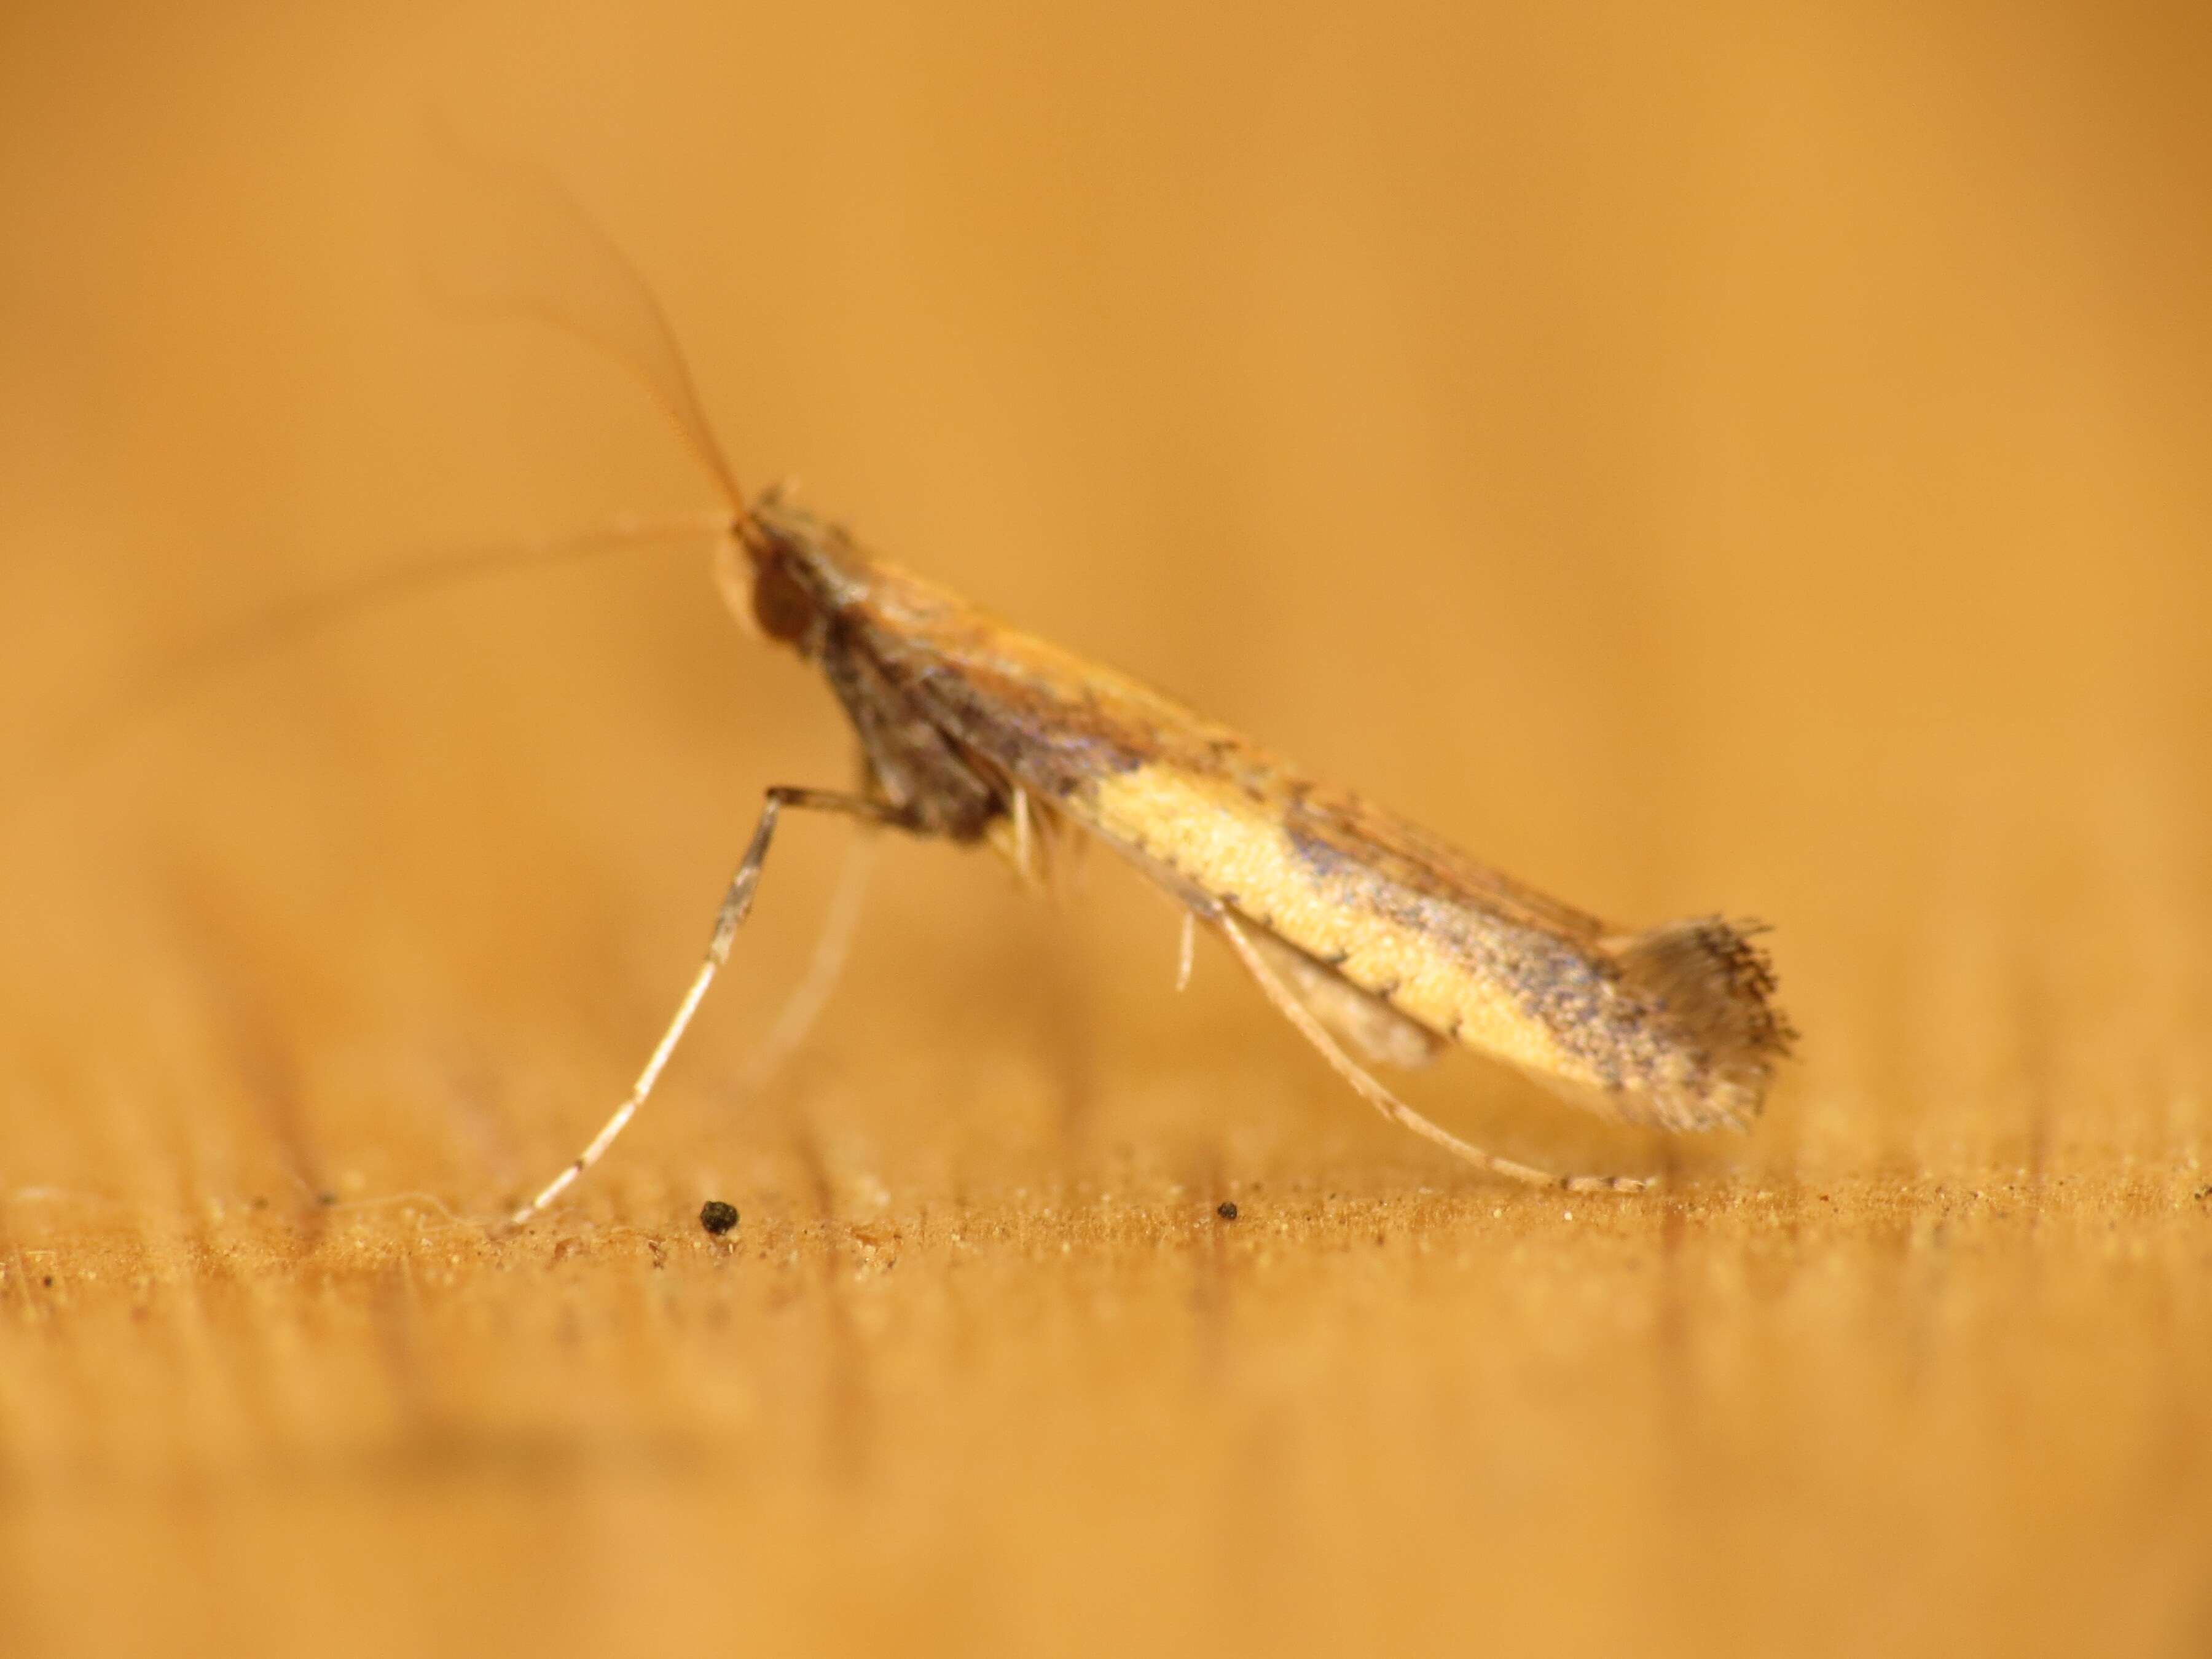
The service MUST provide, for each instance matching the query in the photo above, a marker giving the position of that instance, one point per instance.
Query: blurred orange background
(1695, 458)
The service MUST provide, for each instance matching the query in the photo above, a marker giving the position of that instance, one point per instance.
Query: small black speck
(1225, 1210)
(327, 1199)
(50, 1282)
(718, 1218)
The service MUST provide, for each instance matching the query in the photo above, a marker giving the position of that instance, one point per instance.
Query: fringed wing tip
(1712, 987)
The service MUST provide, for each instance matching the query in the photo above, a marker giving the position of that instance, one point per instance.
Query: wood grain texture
(1700, 464)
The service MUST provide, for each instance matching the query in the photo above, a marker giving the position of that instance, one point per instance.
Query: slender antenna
(264, 632)
(514, 241)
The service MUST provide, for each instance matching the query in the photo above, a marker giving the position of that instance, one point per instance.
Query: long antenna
(513, 242)
(517, 243)
(266, 632)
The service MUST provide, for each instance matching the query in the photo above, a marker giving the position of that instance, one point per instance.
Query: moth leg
(811, 994)
(1369, 1028)
(736, 903)
(1383, 1100)
(1030, 836)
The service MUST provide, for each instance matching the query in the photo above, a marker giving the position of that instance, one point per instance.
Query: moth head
(761, 570)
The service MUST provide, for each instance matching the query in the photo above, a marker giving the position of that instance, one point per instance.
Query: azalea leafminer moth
(1382, 944)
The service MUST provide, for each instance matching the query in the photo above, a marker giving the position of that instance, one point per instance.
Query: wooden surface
(1720, 463)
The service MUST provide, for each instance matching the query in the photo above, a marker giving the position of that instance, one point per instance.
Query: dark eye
(781, 606)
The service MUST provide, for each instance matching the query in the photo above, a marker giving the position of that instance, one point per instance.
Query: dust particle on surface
(1225, 1210)
(718, 1218)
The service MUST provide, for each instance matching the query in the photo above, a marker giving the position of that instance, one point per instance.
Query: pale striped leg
(1388, 1103)
(811, 994)
(736, 903)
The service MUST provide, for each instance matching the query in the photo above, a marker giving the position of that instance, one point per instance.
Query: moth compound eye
(782, 608)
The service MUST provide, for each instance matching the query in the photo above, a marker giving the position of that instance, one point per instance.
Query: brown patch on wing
(1330, 827)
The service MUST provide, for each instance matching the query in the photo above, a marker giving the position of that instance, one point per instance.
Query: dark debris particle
(718, 1218)
(327, 1199)
(1225, 1210)
(50, 1282)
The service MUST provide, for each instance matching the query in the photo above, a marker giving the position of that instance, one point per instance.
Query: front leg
(737, 902)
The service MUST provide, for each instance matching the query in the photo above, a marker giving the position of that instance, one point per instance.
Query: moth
(1380, 943)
